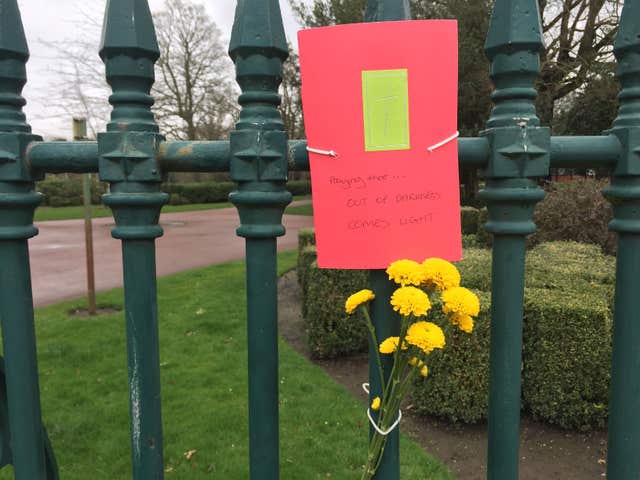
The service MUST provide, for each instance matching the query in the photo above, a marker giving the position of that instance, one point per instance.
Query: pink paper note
(379, 95)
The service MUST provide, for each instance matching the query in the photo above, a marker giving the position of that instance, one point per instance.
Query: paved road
(191, 240)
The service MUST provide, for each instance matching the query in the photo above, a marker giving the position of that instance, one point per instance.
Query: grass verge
(45, 214)
(83, 378)
(301, 210)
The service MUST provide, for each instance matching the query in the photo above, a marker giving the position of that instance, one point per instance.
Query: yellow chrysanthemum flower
(426, 336)
(461, 301)
(375, 405)
(464, 322)
(415, 362)
(407, 300)
(390, 345)
(424, 371)
(357, 299)
(406, 272)
(440, 274)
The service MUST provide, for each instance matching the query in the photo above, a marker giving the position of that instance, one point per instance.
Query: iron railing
(133, 157)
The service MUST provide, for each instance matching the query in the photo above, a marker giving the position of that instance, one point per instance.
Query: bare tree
(579, 36)
(194, 91)
(291, 106)
(195, 96)
(81, 89)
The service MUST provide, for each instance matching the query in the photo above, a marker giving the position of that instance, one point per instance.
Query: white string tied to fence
(443, 142)
(328, 153)
(384, 433)
(334, 154)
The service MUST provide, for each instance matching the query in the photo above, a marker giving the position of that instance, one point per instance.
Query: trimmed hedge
(469, 241)
(306, 237)
(330, 331)
(214, 192)
(457, 387)
(475, 268)
(469, 220)
(200, 192)
(569, 265)
(575, 266)
(306, 257)
(299, 187)
(566, 357)
(484, 238)
(66, 192)
(567, 335)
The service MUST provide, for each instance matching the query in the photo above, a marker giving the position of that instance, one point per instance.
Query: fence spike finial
(14, 54)
(519, 154)
(258, 25)
(387, 10)
(627, 51)
(129, 49)
(513, 45)
(258, 156)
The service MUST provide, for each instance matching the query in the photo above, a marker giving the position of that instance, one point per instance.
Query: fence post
(519, 153)
(17, 205)
(624, 193)
(385, 321)
(128, 160)
(258, 150)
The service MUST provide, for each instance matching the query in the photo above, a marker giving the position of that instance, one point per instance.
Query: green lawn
(44, 214)
(83, 375)
(301, 210)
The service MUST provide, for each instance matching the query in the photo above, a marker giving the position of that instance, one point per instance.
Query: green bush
(457, 387)
(575, 211)
(66, 192)
(475, 268)
(569, 265)
(567, 335)
(484, 238)
(469, 220)
(299, 187)
(566, 357)
(573, 266)
(201, 192)
(306, 237)
(306, 257)
(177, 199)
(469, 241)
(330, 331)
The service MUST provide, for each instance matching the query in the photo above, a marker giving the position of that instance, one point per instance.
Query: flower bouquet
(420, 285)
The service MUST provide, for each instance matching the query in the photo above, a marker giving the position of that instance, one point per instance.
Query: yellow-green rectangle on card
(385, 97)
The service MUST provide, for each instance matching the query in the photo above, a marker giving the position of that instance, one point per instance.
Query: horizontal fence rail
(513, 153)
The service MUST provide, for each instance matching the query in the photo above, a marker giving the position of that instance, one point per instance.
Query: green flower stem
(393, 408)
(399, 380)
(394, 370)
(372, 332)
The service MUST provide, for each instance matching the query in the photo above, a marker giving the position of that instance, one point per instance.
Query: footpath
(191, 240)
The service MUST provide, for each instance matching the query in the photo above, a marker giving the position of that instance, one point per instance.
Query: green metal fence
(133, 156)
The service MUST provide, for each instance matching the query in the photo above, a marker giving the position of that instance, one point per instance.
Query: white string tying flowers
(365, 387)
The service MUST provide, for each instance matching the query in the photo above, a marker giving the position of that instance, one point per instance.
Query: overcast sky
(52, 20)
